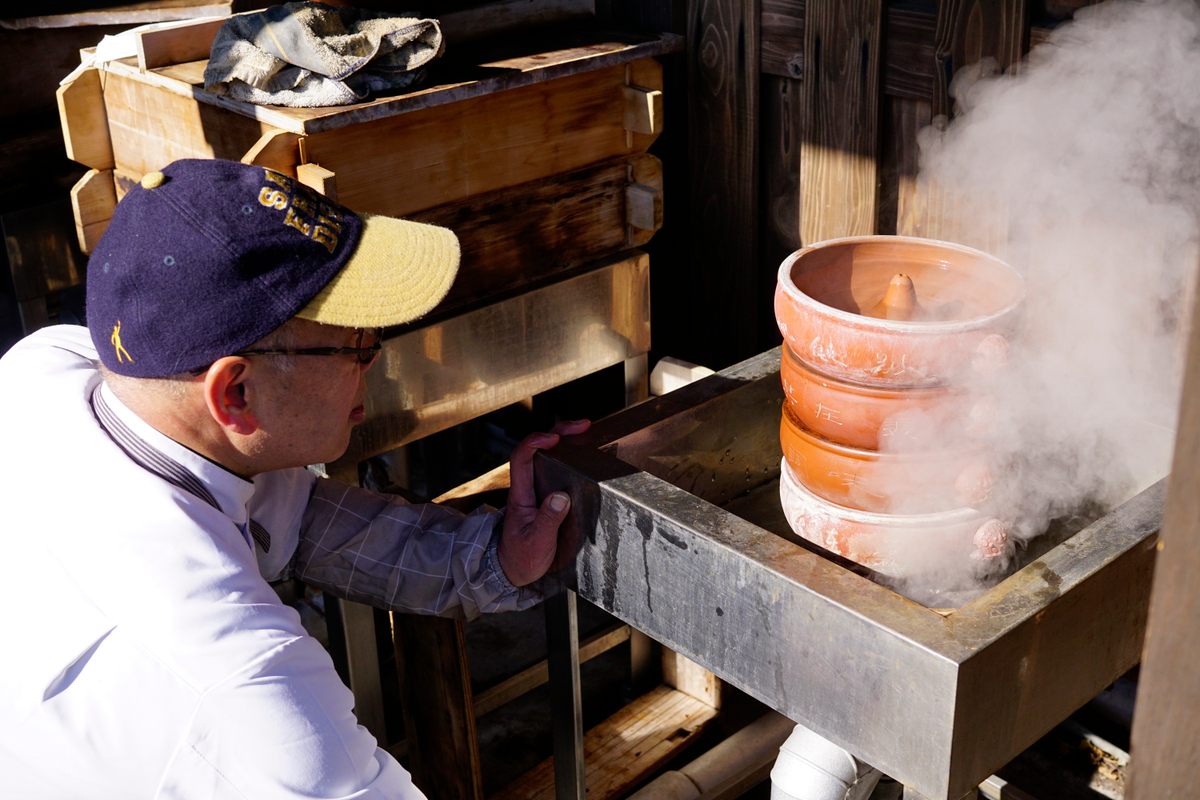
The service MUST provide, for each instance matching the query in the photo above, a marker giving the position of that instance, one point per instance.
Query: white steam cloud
(1081, 168)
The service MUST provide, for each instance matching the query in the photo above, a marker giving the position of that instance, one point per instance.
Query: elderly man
(153, 487)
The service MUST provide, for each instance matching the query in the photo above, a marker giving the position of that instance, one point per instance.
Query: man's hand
(530, 536)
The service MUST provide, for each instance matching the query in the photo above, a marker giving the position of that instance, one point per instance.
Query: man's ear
(225, 395)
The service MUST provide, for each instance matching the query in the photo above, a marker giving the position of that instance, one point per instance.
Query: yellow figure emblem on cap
(122, 353)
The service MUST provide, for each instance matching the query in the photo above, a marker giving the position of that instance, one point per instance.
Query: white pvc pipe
(811, 767)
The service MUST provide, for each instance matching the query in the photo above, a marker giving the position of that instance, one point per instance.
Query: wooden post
(723, 273)
(1166, 730)
(439, 716)
(840, 129)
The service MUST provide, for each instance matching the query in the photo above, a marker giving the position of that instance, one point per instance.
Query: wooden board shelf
(626, 748)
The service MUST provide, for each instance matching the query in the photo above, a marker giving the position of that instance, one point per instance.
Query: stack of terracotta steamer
(890, 344)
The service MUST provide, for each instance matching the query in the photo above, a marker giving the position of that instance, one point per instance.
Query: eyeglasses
(365, 354)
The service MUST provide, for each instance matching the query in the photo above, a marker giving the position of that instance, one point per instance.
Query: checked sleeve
(419, 558)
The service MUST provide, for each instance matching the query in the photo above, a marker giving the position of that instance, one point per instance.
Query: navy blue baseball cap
(207, 257)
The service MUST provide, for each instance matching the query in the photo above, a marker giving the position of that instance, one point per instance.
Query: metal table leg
(566, 706)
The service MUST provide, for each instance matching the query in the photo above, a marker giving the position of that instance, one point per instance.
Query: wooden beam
(450, 153)
(534, 676)
(581, 216)
(84, 120)
(140, 13)
(1165, 744)
(839, 134)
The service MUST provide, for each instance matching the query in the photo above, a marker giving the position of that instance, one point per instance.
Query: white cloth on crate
(146, 655)
(308, 55)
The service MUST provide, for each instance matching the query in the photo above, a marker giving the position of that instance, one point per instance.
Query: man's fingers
(571, 427)
(544, 529)
(520, 468)
(520, 473)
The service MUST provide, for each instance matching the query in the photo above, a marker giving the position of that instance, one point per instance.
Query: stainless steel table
(676, 535)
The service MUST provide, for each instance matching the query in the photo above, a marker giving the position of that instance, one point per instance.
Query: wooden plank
(151, 128)
(912, 217)
(126, 15)
(722, 268)
(93, 199)
(783, 101)
(1166, 730)
(437, 702)
(967, 31)
(492, 480)
(625, 748)
(401, 165)
(909, 57)
(580, 216)
(84, 120)
(534, 676)
(841, 109)
(188, 42)
(908, 61)
(971, 30)
(783, 38)
(520, 346)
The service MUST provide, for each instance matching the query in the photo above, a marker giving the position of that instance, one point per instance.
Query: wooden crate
(536, 159)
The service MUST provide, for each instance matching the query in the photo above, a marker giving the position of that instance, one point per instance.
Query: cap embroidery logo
(302, 209)
(122, 353)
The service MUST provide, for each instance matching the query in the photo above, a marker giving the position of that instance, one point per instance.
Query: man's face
(308, 408)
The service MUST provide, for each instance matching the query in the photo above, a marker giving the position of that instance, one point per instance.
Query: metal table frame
(936, 700)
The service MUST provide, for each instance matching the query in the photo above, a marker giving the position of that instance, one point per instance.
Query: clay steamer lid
(208, 256)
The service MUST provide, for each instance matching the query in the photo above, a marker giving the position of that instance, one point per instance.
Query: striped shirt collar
(175, 463)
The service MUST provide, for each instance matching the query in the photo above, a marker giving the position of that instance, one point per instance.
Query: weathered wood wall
(800, 123)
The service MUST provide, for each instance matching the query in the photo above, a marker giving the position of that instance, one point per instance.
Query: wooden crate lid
(455, 79)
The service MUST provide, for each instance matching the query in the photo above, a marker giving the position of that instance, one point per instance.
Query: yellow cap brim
(399, 272)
